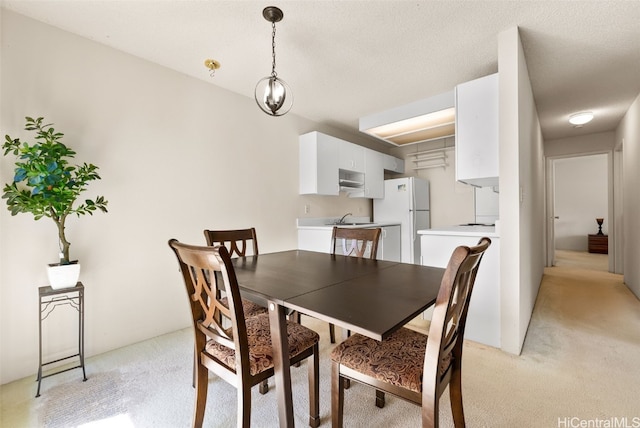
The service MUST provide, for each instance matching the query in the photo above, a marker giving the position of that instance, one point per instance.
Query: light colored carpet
(582, 260)
(578, 364)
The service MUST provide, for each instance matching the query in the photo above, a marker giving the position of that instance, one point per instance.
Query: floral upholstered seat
(410, 364)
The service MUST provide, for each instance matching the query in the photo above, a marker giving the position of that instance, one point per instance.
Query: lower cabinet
(389, 245)
(483, 319)
(319, 239)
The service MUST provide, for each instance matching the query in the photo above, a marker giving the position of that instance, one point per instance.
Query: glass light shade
(580, 118)
(273, 96)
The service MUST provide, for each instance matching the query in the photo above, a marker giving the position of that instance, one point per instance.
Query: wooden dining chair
(242, 354)
(240, 243)
(412, 365)
(362, 243)
(237, 242)
(356, 242)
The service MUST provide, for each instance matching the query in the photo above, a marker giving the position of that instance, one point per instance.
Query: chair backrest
(444, 346)
(356, 242)
(236, 241)
(207, 270)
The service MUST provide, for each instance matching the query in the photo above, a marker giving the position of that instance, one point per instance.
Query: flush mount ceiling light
(581, 118)
(272, 94)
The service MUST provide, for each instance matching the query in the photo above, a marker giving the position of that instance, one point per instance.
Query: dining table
(370, 297)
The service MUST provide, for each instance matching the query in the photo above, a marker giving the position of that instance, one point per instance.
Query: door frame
(613, 174)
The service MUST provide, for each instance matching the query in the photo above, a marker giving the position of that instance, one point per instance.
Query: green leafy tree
(45, 184)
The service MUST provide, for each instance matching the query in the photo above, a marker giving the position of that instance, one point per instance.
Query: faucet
(341, 221)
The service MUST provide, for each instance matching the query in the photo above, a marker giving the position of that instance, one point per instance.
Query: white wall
(628, 133)
(451, 202)
(599, 142)
(521, 193)
(581, 196)
(176, 155)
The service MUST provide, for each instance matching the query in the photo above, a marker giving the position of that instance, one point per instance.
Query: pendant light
(272, 94)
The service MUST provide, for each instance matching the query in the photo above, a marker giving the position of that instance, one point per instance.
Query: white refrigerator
(406, 201)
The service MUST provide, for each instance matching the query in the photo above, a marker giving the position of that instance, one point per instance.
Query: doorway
(579, 191)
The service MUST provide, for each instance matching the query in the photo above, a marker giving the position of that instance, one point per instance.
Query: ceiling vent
(424, 120)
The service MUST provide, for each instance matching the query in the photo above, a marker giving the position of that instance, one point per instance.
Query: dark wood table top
(371, 297)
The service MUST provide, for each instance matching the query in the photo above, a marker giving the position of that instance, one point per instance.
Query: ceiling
(348, 59)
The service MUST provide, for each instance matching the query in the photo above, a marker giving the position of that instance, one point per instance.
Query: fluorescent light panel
(423, 120)
(425, 127)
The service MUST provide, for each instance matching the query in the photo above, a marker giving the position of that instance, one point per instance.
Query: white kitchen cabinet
(393, 164)
(350, 156)
(315, 239)
(319, 239)
(389, 245)
(318, 163)
(373, 174)
(477, 149)
(329, 165)
(483, 318)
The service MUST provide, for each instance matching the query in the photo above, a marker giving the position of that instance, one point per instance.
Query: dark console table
(599, 244)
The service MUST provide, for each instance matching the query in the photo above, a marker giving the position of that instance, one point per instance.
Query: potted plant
(46, 184)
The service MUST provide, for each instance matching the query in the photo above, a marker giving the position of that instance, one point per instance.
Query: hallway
(582, 260)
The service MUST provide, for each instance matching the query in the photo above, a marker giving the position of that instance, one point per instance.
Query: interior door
(550, 215)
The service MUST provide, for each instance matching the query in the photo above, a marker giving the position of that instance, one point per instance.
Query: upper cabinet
(477, 131)
(393, 164)
(329, 165)
(350, 156)
(318, 164)
(373, 175)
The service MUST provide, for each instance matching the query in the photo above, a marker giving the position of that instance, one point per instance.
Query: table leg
(282, 369)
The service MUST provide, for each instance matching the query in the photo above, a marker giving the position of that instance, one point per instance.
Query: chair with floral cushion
(412, 365)
(356, 242)
(361, 243)
(237, 242)
(241, 354)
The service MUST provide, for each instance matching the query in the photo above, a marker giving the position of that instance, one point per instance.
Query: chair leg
(430, 409)
(337, 396)
(264, 387)
(244, 406)
(313, 364)
(201, 384)
(294, 316)
(195, 368)
(379, 398)
(332, 333)
(455, 394)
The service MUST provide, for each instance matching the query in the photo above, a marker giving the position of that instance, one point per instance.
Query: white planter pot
(63, 276)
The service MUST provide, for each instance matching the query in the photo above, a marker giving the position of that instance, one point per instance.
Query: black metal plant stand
(49, 299)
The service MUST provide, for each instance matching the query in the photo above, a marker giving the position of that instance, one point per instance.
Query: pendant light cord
(273, 50)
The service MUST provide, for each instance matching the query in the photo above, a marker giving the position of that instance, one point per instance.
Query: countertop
(323, 223)
(460, 230)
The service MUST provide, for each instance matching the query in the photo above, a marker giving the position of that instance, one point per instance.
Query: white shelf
(433, 158)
